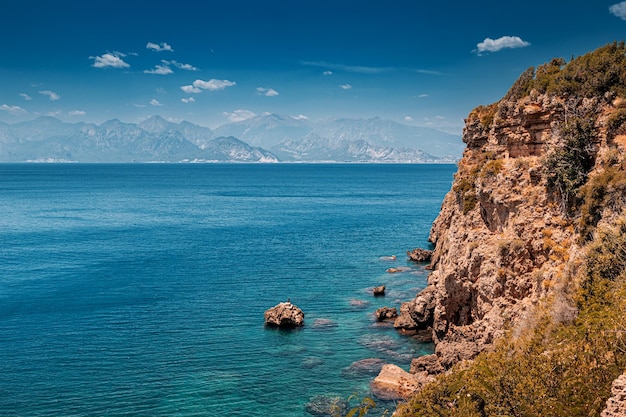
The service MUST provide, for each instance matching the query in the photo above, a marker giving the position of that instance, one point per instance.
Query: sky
(211, 62)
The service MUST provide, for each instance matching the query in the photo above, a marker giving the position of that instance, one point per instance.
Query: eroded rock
(420, 255)
(284, 315)
(394, 383)
(386, 313)
(378, 291)
(427, 363)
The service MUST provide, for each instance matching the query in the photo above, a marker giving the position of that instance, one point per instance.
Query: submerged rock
(398, 269)
(326, 406)
(369, 366)
(312, 362)
(359, 303)
(285, 315)
(324, 324)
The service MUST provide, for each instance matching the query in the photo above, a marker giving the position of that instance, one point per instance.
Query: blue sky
(209, 62)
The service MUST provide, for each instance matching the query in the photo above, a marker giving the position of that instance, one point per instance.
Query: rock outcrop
(502, 240)
(420, 255)
(394, 383)
(386, 313)
(616, 405)
(378, 291)
(285, 315)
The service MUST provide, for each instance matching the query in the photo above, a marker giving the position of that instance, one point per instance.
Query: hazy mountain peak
(155, 124)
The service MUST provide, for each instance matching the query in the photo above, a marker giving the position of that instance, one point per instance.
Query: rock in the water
(394, 383)
(284, 315)
(325, 406)
(379, 290)
(386, 313)
(420, 255)
(398, 269)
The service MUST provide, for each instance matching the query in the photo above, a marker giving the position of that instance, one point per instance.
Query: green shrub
(485, 114)
(590, 75)
(491, 168)
(615, 121)
(465, 184)
(568, 165)
(601, 190)
(522, 86)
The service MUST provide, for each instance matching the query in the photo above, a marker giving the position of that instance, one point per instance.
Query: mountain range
(265, 138)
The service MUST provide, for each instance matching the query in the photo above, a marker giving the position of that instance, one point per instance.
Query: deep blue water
(139, 290)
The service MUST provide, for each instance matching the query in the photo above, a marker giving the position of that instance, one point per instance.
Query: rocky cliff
(511, 230)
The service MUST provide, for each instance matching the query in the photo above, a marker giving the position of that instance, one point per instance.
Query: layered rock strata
(502, 240)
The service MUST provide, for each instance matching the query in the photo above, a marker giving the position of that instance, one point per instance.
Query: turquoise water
(139, 290)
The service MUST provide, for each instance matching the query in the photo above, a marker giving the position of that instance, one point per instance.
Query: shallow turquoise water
(139, 290)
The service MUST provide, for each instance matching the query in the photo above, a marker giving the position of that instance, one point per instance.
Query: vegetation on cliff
(590, 75)
(551, 368)
(561, 131)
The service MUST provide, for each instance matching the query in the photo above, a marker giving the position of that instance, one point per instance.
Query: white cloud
(268, 92)
(188, 100)
(424, 95)
(26, 96)
(110, 59)
(14, 110)
(190, 89)
(211, 85)
(619, 10)
(327, 73)
(505, 42)
(239, 115)
(159, 47)
(408, 119)
(51, 95)
(300, 117)
(180, 65)
(160, 70)
(77, 113)
(155, 102)
(345, 86)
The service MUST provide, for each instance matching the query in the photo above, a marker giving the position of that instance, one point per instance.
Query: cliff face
(504, 238)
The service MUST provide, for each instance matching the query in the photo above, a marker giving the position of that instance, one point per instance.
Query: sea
(140, 289)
